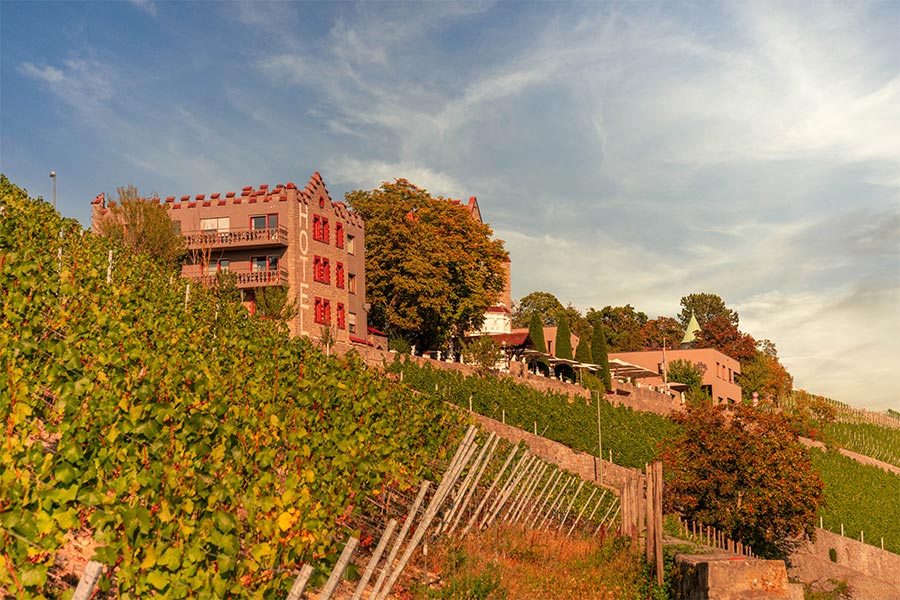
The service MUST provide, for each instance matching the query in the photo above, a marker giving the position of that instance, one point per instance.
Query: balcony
(246, 279)
(236, 238)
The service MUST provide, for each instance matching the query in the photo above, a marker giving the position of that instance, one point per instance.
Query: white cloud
(148, 6)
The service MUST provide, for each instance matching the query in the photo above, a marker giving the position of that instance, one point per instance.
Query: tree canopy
(142, 226)
(746, 475)
(765, 375)
(705, 306)
(661, 330)
(543, 304)
(721, 334)
(431, 269)
(622, 325)
(690, 374)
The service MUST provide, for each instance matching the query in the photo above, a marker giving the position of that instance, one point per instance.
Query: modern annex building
(281, 236)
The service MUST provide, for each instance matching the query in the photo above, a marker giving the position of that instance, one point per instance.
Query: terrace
(237, 238)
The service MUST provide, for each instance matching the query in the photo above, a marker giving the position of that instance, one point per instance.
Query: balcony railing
(235, 238)
(247, 279)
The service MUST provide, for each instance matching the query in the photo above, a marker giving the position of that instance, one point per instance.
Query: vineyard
(631, 436)
(206, 451)
(861, 499)
(878, 442)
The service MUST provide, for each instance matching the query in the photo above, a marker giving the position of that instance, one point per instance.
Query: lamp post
(53, 177)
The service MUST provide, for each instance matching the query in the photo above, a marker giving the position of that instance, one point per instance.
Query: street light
(53, 177)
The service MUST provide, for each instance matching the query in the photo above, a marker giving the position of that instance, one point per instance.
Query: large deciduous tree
(622, 326)
(142, 226)
(661, 331)
(431, 269)
(705, 306)
(765, 375)
(691, 375)
(746, 475)
(720, 333)
(543, 304)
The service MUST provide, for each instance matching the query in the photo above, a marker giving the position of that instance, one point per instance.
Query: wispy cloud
(148, 6)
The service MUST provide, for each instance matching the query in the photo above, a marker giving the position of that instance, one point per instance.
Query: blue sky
(627, 152)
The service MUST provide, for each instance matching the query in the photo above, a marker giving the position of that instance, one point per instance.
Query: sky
(627, 152)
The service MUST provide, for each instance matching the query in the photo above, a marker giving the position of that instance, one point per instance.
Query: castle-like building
(279, 236)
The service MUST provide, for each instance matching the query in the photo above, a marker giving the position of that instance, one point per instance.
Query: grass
(509, 562)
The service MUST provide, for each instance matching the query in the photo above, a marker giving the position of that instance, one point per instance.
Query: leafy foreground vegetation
(207, 452)
(509, 562)
(863, 498)
(634, 437)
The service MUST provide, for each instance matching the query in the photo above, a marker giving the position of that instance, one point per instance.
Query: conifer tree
(536, 333)
(601, 356)
(563, 338)
(583, 352)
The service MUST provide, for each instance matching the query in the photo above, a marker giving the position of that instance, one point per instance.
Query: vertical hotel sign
(303, 292)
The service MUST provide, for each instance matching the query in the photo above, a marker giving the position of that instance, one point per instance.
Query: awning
(620, 368)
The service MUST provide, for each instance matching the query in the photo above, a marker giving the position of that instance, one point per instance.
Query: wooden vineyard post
(651, 521)
(552, 480)
(581, 512)
(571, 504)
(373, 562)
(299, 586)
(440, 495)
(474, 485)
(338, 571)
(529, 497)
(398, 543)
(658, 512)
(525, 491)
(557, 501)
(514, 478)
(88, 582)
(487, 495)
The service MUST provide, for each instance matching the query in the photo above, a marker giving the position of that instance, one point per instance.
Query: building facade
(282, 236)
(720, 371)
(498, 317)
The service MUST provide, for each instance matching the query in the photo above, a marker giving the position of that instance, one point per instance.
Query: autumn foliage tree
(622, 326)
(143, 226)
(705, 306)
(543, 304)
(723, 335)
(431, 269)
(661, 331)
(745, 474)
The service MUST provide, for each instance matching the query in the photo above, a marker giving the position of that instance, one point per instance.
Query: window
(341, 317)
(351, 322)
(264, 221)
(351, 245)
(263, 263)
(351, 283)
(215, 224)
(220, 265)
(176, 227)
(339, 235)
(317, 227)
(320, 229)
(321, 269)
(339, 275)
(319, 310)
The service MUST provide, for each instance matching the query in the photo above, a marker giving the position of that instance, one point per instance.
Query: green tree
(143, 226)
(705, 306)
(543, 304)
(600, 354)
(481, 351)
(765, 375)
(691, 375)
(622, 325)
(536, 333)
(746, 475)
(272, 303)
(583, 351)
(431, 269)
(563, 347)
